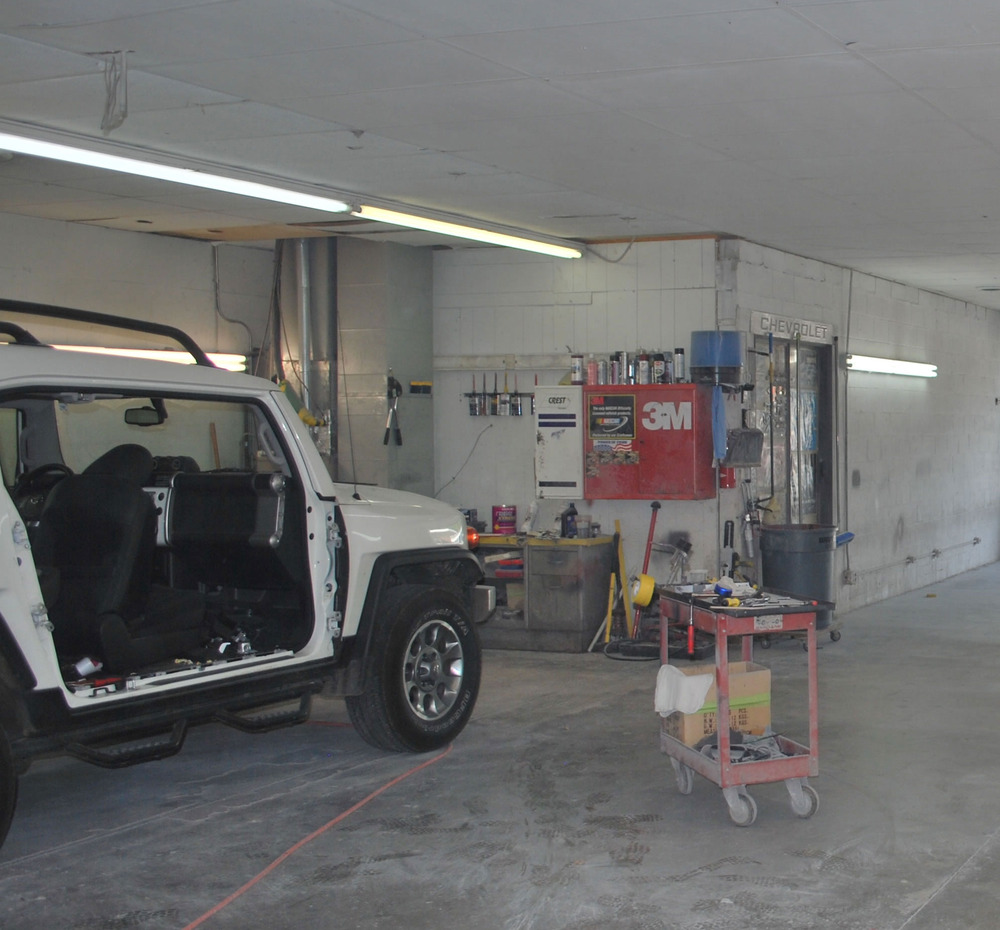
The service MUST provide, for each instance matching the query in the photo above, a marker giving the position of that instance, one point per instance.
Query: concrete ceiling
(861, 132)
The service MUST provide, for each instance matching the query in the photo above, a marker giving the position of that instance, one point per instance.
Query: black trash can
(797, 559)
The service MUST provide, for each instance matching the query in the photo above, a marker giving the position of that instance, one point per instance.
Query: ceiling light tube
(148, 169)
(409, 220)
(228, 360)
(890, 366)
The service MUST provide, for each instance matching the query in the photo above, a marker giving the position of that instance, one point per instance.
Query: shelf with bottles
(499, 403)
(642, 367)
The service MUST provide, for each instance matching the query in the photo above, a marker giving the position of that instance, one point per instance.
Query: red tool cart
(730, 766)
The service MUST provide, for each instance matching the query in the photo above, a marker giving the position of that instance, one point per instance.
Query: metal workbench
(730, 768)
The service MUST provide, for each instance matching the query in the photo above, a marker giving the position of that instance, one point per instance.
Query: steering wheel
(42, 478)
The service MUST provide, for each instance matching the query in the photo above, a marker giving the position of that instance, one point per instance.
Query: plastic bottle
(568, 522)
(591, 369)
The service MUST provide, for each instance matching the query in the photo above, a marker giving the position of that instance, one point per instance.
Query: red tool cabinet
(648, 442)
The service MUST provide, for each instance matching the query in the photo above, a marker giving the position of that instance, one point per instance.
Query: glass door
(793, 408)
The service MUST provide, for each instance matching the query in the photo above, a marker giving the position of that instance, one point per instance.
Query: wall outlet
(849, 577)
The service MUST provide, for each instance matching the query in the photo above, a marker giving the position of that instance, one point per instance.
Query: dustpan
(744, 448)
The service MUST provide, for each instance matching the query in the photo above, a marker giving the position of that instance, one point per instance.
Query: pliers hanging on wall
(392, 420)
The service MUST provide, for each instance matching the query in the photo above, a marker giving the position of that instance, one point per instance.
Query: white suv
(173, 551)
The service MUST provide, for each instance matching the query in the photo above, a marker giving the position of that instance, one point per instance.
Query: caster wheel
(745, 811)
(765, 642)
(835, 636)
(807, 804)
(685, 778)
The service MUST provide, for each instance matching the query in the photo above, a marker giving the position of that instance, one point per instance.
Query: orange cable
(225, 902)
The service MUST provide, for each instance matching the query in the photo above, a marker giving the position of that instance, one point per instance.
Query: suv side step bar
(142, 749)
(271, 717)
(154, 746)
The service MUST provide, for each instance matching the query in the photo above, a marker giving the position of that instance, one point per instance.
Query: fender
(459, 566)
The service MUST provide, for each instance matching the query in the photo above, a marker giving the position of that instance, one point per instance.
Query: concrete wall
(143, 276)
(917, 460)
(493, 306)
(384, 303)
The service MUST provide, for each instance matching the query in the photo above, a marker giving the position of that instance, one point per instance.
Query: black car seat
(98, 531)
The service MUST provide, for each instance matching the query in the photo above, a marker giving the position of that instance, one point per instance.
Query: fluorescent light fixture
(227, 360)
(380, 215)
(188, 176)
(192, 177)
(891, 366)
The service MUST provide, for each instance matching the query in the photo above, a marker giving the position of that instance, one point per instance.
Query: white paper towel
(677, 691)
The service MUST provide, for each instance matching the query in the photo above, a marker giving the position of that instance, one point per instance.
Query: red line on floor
(225, 902)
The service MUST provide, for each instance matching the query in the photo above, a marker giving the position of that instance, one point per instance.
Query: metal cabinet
(648, 442)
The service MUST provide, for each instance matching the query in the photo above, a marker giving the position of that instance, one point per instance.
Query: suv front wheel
(423, 673)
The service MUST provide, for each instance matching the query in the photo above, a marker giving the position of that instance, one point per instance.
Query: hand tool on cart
(392, 419)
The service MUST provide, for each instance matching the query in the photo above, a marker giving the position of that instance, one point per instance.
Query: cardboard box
(749, 704)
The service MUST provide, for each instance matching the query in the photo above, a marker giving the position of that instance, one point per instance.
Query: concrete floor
(555, 808)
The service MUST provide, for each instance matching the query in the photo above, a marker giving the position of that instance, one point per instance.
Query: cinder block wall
(917, 460)
(384, 305)
(493, 306)
(142, 276)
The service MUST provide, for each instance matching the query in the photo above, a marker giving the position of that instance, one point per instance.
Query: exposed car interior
(165, 532)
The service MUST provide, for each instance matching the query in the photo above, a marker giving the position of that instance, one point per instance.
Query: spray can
(615, 370)
(602, 371)
(680, 371)
(642, 369)
(659, 368)
(576, 369)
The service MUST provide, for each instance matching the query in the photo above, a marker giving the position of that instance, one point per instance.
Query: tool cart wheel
(742, 810)
(685, 777)
(835, 636)
(806, 804)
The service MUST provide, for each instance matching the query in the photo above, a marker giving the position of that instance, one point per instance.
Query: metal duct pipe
(304, 293)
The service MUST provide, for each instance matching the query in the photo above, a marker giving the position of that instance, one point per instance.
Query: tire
(422, 673)
(8, 787)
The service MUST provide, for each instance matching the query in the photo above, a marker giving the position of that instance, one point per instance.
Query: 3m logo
(667, 416)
